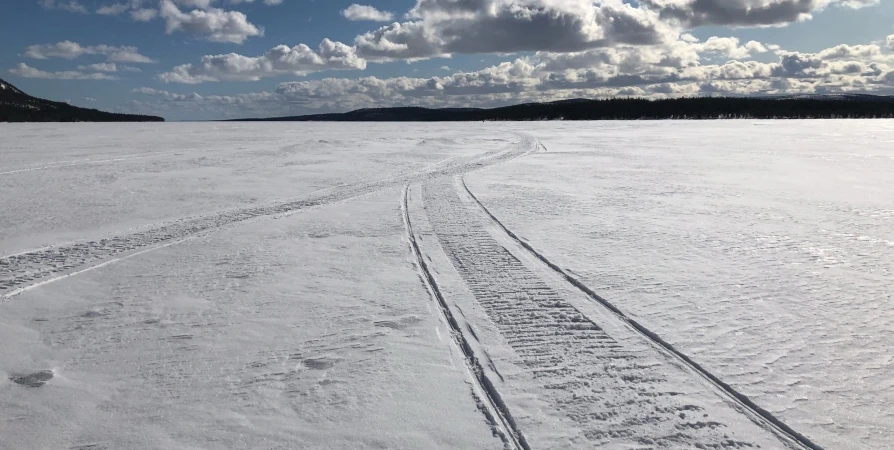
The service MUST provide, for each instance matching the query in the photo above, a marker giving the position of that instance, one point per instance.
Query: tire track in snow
(494, 409)
(31, 267)
(761, 415)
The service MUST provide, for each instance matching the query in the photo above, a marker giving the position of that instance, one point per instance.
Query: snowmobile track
(764, 417)
(24, 270)
(495, 410)
(610, 393)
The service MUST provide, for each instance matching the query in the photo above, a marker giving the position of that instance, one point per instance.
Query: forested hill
(17, 106)
(794, 107)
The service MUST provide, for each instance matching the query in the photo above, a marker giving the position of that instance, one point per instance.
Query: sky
(217, 59)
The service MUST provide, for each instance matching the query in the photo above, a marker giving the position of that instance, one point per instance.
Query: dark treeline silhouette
(17, 106)
(803, 107)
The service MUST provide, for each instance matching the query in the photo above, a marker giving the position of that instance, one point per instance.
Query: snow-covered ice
(763, 250)
(536, 285)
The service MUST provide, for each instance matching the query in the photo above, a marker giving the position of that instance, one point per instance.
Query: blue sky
(209, 59)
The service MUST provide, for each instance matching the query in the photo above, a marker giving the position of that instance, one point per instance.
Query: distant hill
(783, 107)
(17, 106)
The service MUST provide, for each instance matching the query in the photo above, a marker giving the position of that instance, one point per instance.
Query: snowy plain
(284, 285)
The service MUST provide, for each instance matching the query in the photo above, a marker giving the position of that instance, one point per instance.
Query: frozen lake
(719, 284)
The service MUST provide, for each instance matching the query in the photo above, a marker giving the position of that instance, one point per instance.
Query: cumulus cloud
(200, 4)
(357, 12)
(280, 60)
(266, 2)
(579, 48)
(729, 47)
(508, 77)
(25, 71)
(851, 51)
(678, 68)
(443, 27)
(214, 24)
(694, 13)
(72, 50)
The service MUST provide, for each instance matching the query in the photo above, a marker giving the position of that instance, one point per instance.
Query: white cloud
(671, 69)
(200, 4)
(357, 12)
(579, 48)
(216, 25)
(113, 9)
(135, 8)
(443, 27)
(694, 13)
(266, 2)
(729, 47)
(100, 67)
(72, 50)
(26, 71)
(851, 51)
(143, 14)
(64, 49)
(280, 60)
(66, 5)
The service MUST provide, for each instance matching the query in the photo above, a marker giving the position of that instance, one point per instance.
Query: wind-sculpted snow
(636, 285)
(613, 394)
(20, 270)
(306, 332)
(761, 250)
(764, 417)
(487, 395)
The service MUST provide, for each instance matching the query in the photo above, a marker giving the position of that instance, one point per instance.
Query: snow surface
(764, 250)
(622, 285)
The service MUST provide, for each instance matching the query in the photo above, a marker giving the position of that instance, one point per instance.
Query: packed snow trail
(764, 415)
(561, 348)
(495, 409)
(24, 269)
(613, 394)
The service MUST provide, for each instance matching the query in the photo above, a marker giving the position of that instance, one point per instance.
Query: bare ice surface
(277, 285)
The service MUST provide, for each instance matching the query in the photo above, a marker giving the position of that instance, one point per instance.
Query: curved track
(612, 394)
(28, 269)
(762, 415)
